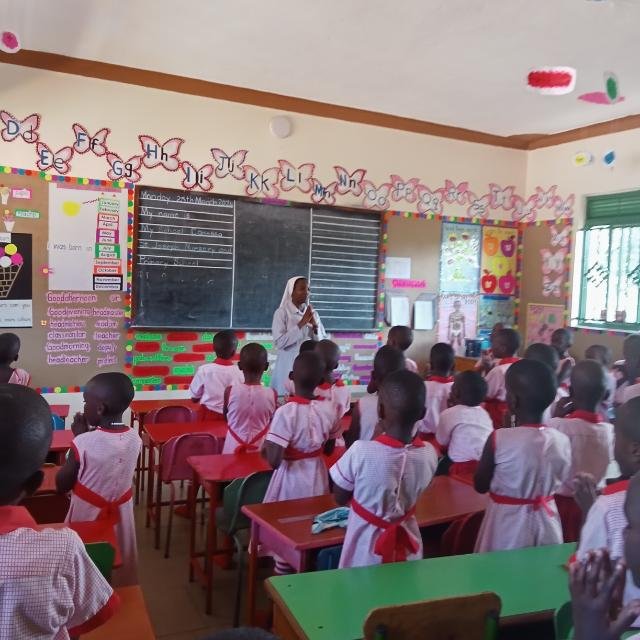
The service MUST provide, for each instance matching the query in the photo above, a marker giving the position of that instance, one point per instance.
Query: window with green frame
(609, 278)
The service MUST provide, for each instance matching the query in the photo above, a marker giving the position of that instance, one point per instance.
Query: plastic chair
(563, 622)
(174, 465)
(328, 558)
(57, 422)
(460, 538)
(231, 521)
(102, 554)
(463, 618)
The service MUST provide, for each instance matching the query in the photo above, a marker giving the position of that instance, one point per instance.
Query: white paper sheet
(397, 267)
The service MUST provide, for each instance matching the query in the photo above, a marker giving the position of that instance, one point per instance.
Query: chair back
(462, 618)
(328, 558)
(57, 422)
(103, 555)
(460, 538)
(242, 491)
(171, 413)
(176, 451)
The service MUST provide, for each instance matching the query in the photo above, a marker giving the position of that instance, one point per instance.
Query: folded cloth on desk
(329, 519)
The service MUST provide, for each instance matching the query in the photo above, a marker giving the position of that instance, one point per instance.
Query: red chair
(460, 538)
(174, 465)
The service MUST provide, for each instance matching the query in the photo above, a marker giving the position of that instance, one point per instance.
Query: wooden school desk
(465, 364)
(130, 622)
(211, 472)
(325, 605)
(285, 527)
(60, 444)
(159, 434)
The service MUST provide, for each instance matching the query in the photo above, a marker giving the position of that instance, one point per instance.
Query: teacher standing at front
(294, 321)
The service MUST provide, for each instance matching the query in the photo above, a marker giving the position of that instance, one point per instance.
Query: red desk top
(161, 432)
(443, 501)
(61, 410)
(49, 482)
(61, 440)
(89, 532)
(144, 406)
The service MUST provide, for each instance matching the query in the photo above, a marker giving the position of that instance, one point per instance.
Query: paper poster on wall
(457, 320)
(459, 258)
(499, 260)
(87, 238)
(15, 280)
(542, 321)
(494, 309)
(397, 267)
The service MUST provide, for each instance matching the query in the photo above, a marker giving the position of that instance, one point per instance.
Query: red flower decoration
(9, 41)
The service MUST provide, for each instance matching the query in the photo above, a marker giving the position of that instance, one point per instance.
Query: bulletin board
(64, 274)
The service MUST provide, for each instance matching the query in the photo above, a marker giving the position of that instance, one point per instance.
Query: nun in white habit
(294, 321)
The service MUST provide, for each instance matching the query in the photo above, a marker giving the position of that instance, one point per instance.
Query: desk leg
(151, 463)
(157, 514)
(252, 572)
(194, 488)
(211, 544)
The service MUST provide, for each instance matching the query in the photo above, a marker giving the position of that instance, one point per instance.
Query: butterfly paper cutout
(429, 201)
(86, 142)
(478, 207)
(349, 182)
(264, 182)
(376, 197)
(229, 165)
(546, 199)
(560, 237)
(524, 210)
(564, 208)
(48, 160)
(121, 170)
(197, 178)
(404, 189)
(153, 152)
(14, 127)
(551, 287)
(300, 177)
(323, 195)
(455, 193)
(501, 198)
(553, 261)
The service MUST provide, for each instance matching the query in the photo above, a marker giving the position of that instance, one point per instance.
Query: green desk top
(332, 605)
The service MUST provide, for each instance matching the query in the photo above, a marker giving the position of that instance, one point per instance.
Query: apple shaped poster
(499, 261)
(460, 258)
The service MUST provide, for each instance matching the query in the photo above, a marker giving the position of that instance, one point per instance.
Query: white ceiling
(455, 62)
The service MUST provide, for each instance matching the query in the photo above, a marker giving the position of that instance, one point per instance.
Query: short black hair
(254, 358)
(562, 338)
(242, 633)
(628, 419)
(308, 369)
(588, 383)
(114, 389)
(330, 352)
(387, 360)
(601, 353)
(9, 347)
(471, 388)
(225, 343)
(442, 357)
(307, 345)
(403, 396)
(509, 339)
(401, 337)
(25, 432)
(543, 353)
(532, 383)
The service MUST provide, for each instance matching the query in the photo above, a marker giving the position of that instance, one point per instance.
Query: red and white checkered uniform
(465, 431)
(20, 376)
(496, 389)
(368, 410)
(410, 365)
(107, 461)
(338, 393)
(250, 408)
(438, 390)
(49, 587)
(211, 380)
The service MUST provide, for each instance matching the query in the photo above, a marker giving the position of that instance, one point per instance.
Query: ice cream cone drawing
(11, 262)
(9, 220)
(4, 194)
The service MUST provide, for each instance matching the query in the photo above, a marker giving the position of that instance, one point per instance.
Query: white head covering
(286, 302)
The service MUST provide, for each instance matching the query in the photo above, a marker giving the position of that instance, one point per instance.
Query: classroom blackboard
(208, 262)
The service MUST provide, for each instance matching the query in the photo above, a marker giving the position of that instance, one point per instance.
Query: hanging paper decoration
(582, 158)
(499, 247)
(542, 321)
(494, 309)
(610, 95)
(552, 81)
(609, 159)
(9, 42)
(459, 257)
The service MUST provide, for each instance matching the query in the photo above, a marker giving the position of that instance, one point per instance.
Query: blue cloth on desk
(329, 519)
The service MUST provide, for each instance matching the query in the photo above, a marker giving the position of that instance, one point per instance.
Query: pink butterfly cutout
(155, 154)
(453, 193)
(349, 182)
(229, 165)
(478, 207)
(404, 189)
(323, 195)
(14, 127)
(553, 261)
(560, 237)
(551, 287)
(564, 208)
(264, 182)
(86, 142)
(376, 197)
(524, 210)
(429, 201)
(299, 177)
(121, 170)
(197, 178)
(49, 160)
(546, 198)
(501, 198)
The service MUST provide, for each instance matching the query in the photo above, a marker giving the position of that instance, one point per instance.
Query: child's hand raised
(563, 407)
(596, 585)
(79, 424)
(585, 492)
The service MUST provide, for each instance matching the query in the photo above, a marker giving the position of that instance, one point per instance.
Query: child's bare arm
(329, 446)
(353, 432)
(484, 473)
(68, 475)
(342, 496)
(272, 453)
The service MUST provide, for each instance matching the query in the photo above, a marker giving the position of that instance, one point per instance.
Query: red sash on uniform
(442, 379)
(615, 487)
(109, 511)
(290, 453)
(243, 446)
(541, 502)
(395, 543)
(497, 410)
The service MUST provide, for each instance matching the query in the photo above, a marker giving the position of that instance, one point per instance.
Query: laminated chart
(107, 265)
